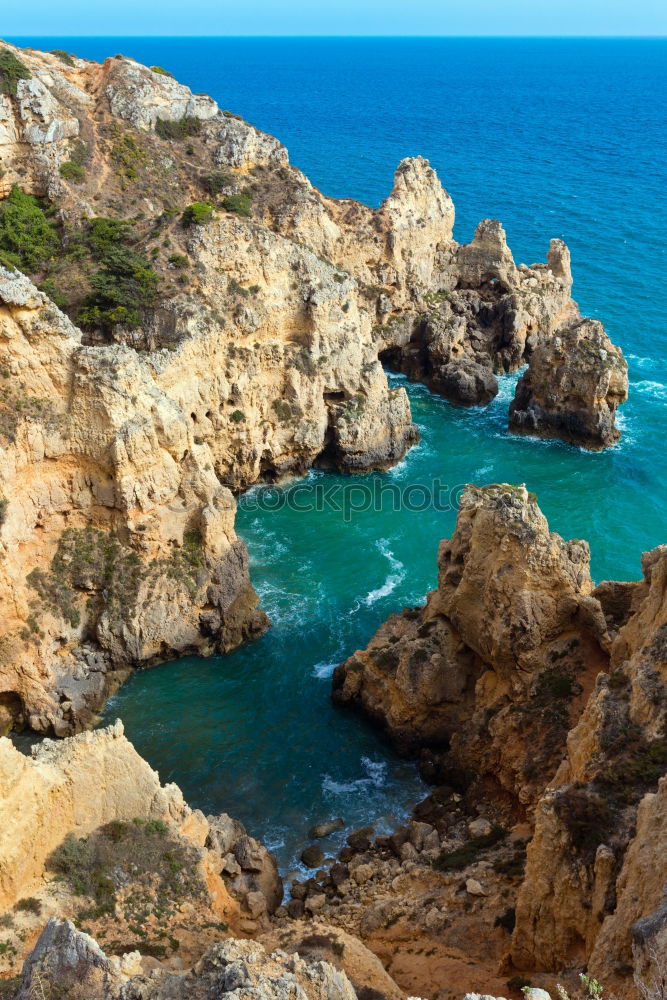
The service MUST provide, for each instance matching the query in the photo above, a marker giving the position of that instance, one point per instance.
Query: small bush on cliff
(161, 72)
(27, 237)
(63, 56)
(237, 203)
(11, 71)
(180, 129)
(197, 214)
(74, 172)
(126, 283)
(215, 182)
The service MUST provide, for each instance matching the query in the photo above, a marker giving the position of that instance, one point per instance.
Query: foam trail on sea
(392, 581)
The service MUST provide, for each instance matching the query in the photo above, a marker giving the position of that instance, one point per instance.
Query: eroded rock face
(596, 878)
(551, 697)
(67, 958)
(118, 539)
(487, 317)
(574, 384)
(121, 446)
(495, 664)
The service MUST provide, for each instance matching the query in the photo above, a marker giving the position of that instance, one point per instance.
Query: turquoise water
(554, 137)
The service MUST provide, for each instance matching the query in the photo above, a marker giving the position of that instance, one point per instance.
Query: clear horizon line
(554, 37)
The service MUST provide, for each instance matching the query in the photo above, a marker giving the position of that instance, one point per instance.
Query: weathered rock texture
(65, 958)
(120, 445)
(547, 700)
(495, 663)
(95, 785)
(572, 389)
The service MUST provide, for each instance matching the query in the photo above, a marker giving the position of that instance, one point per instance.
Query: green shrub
(4, 506)
(72, 171)
(27, 237)
(179, 129)
(11, 71)
(63, 56)
(237, 203)
(197, 214)
(178, 260)
(125, 285)
(56, 295)
(230, 114)
(215, 182)
(161, 72)
(237, 416)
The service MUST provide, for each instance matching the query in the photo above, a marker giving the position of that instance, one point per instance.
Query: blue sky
(334, 17)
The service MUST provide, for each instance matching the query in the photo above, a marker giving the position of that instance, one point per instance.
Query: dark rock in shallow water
(465, 383)
(312, 856)
(360, 840)
(325, 829)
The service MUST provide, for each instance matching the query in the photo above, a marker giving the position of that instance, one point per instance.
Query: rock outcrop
(573, 386)
(260, 357)
(495, 665)
(64, 958)
(91, 812)
(536, 697)
(596, 855)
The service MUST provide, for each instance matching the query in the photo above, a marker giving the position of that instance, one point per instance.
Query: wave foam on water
(375, 777)
(396, 576)
(656, 390)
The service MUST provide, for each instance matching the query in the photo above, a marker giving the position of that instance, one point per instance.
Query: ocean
(553, 137)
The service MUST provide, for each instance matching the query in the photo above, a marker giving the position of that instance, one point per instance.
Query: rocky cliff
(540, 698)
(207, 320)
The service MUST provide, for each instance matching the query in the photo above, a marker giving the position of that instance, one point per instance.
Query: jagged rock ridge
(256, 354)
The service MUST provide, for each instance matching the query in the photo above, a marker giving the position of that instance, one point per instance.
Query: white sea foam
(376, 772)
(324, 670)
(656, 390)
(396, 576)
(641, 362)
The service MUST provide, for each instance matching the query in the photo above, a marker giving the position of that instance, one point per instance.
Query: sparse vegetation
(29, 904)
(178, 260)
(74, 172)
(216, 181)
(180, 129)
(239, 204)
(27, 237)
(63, 56)
(134, 870)
(237, 416)
(161, 72)
(11, 71)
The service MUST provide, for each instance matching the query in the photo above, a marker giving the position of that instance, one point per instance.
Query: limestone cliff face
(94, 789)
(118, 539)
(495, 664)
(596, 855)
(544, 699)
(260, 357)
(572, 389)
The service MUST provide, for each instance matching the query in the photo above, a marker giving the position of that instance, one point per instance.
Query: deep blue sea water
(559, 138)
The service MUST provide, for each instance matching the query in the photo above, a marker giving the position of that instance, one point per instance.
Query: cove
(254, 733)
